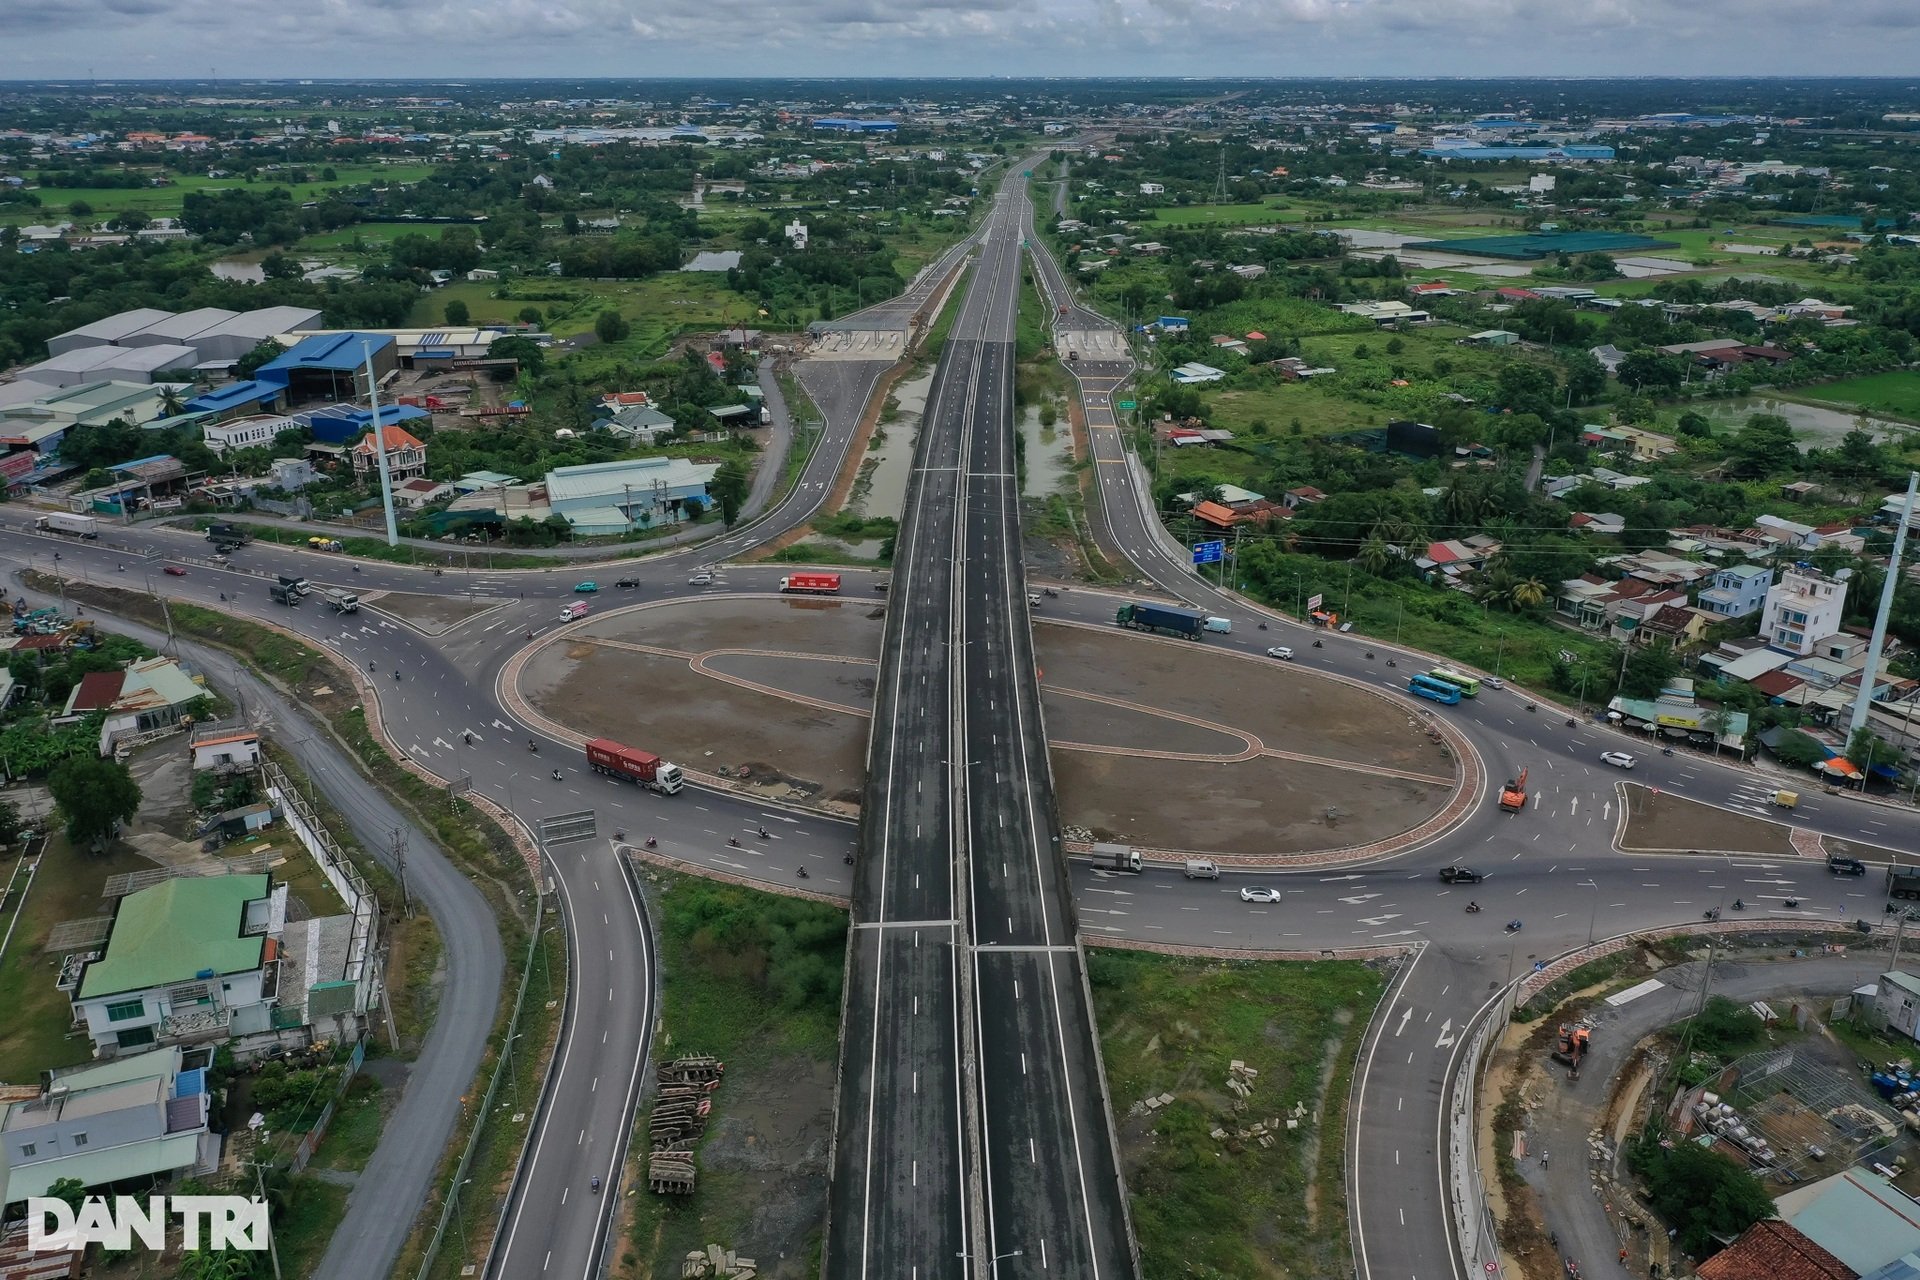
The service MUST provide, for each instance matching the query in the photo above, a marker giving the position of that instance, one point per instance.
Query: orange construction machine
(1571, 1047)
(1513, 796)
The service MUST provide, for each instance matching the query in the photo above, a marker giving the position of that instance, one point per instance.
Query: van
(1223, 626)
(574, 612)
(1200, 869)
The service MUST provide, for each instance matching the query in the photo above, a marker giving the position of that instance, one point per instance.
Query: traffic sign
(1129, 404)
(1313, 604)
(1209, 552)
(563, 827)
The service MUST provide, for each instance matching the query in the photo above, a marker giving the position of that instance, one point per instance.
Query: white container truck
(68, 523)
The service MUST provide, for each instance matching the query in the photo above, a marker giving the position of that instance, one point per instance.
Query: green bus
(1469, 686)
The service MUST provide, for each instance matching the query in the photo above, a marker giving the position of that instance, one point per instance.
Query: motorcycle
(1392, 663)
(1369, 655)
(763, 833)
(733, 842)
(1318, 645)
(1711, 913)
(533, 746)
(1533, 706)
(596, 1185)
(1666, 751)
(1050, 593)
(1263, 626)
(1571, 722)
(1791, 902)
(652, 843)
(1513, 926)
(1473, 908)
(801, 872)
(1738, 905)
(556, 775)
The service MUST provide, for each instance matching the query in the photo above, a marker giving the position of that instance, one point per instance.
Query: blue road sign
(1209, 552)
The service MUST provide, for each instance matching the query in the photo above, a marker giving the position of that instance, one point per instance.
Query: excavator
(1513, 796)
(1571, 1047)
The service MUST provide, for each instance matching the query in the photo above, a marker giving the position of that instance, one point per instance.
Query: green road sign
(1128, 404)
(1026, 173)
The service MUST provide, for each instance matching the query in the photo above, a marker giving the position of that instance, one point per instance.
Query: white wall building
(243, 433)
(1803, 607)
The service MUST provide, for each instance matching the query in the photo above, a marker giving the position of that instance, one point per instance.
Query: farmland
(165, 202)
(1896, 394)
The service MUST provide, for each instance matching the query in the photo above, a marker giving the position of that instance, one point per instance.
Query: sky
(158, 39)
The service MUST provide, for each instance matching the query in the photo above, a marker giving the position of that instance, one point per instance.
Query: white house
(1896, 1005)
(1152, 189)
(1803, 607)
(796, 233)
(243, 433)
(192, 959)
(420, 492)
(224, 749)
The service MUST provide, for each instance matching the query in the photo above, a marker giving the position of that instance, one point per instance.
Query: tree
(692, 508)
(1643, 369)
(533, 360)
(1704, 1196)
(1760, 447)
(570, 223)
(95, 795)
(611, 326)
(130, 221)
(70, 1191)
(172, 401)
(249, 364)
(1648, 669)
(11, 824)
(729, 488)
(1799, 750)
(1374, 554)
(456, 313)
(280, 266)
(529, 315)
(1586, 376)
(1694, 425)
(80, 209)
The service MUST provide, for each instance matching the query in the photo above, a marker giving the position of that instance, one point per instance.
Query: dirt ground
(1663, 822)
(601, 681)
(773, 1135)
(431, 614)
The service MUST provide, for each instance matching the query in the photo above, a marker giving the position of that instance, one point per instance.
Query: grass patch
(810, 552)
(754, 979)
(355, 1129)
(167, 201)
(34, 1032)
(1224, 215)
(1896, 393)
(305, 1223)
(1209, 1208)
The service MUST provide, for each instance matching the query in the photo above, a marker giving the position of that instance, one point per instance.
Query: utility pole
(1864, 702)
(399, 851)
(380, 447)
(273, 1250)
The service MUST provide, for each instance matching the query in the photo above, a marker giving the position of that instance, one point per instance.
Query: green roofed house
(191, 959)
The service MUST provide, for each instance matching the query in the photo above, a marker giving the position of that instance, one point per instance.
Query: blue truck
(1188, 623)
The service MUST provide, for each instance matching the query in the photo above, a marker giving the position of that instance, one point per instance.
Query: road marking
(1405, 1015)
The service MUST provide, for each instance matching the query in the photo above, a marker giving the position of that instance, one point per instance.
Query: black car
(1460, 875)
(627, 582)
(1846, 866)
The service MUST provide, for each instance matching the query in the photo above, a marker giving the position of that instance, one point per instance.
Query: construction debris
(716, 1263)
(678, 1119)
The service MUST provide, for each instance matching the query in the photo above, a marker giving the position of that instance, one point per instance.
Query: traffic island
(1656, 821)
(1165, 746)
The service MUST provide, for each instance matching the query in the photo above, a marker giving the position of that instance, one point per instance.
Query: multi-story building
(1737, 590)
(1805, 606)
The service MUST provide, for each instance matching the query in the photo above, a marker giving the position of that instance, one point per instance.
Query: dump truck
(1161, 618)
(1571, 1045)
(295, 583)
(1903, 882)
(606, 756)
(1513, 796)
(280, 593)
(226, 531)
(342, 601)
(811, 584)
(1116, 857)
(68, 523)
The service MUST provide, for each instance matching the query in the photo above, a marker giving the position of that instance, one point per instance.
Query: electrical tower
(399, 851)
(1220, 180)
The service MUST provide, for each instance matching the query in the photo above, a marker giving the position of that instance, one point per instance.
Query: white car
(700, 579)
(1281, 652)
(1259, 895)
(1618, 759)
(1494, 682)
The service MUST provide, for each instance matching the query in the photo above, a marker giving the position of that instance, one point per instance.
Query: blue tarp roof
(334, 352)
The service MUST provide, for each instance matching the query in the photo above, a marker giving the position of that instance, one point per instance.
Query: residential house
(1774, 1250)
(144, 1115)
(1618, 481)
(1840, 535)
(1675, 714)
(225, 749)
(406, 453)
(1152, 189)
(194, 958)
(420, 492)
(243, 433)
(1737, 591)
(1453, 560)
(1790, 534)
(1630, 613)
(1857, 1215)
(1609, 357)
(1387, 313)
(1804, 606)
(1304, 496)
(1673, 626)
(1799, 490)
(1193, 371)
(1643, 446)
(146, 696)
(1658, 567)
(1491, 338)
(1601, 524)
(1896, 1005)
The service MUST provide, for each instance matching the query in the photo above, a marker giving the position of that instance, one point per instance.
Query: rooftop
(114, 327)
(1773, 1250)
(333, 352)
(175, 931)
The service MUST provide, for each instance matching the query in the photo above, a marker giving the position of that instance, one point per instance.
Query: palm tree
(1527, 593)
(171, 401)
(1374, 554)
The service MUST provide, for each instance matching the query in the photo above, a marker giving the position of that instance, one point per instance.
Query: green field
(1896, 394)
(1223, 214)
(165, 202)
(1208, 1207)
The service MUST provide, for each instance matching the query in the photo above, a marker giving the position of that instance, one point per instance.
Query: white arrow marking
(1376, 921)
(1446, 1035)
(1576, 806)
(1606, 811)
(1405, 1014)
(1359, 898)
(1332, 879)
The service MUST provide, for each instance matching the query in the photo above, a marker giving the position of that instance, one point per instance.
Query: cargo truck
(226, 531)
(1903, 882)
(295, 584)
(342, 601)
(1116, 857)
(279, 593)
(68, 523)
(814, 584)
(650, 771)
(1166, 619)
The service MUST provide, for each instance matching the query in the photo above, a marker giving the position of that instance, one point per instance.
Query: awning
(1840, 765)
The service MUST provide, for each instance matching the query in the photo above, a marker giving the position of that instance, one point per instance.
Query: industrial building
(216, 336)
(111, 364)
(415, 348)
(330, 366)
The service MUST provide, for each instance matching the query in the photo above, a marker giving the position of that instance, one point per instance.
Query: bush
(1704, 1197)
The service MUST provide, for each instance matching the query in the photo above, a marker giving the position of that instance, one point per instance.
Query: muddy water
(1813, 427)
(244, 269)
(1049, 454)
(882, 488)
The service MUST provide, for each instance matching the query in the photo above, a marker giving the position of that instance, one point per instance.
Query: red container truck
(814, 584)
(650, 771)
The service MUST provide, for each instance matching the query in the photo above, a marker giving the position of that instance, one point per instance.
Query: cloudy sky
(42, 39)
